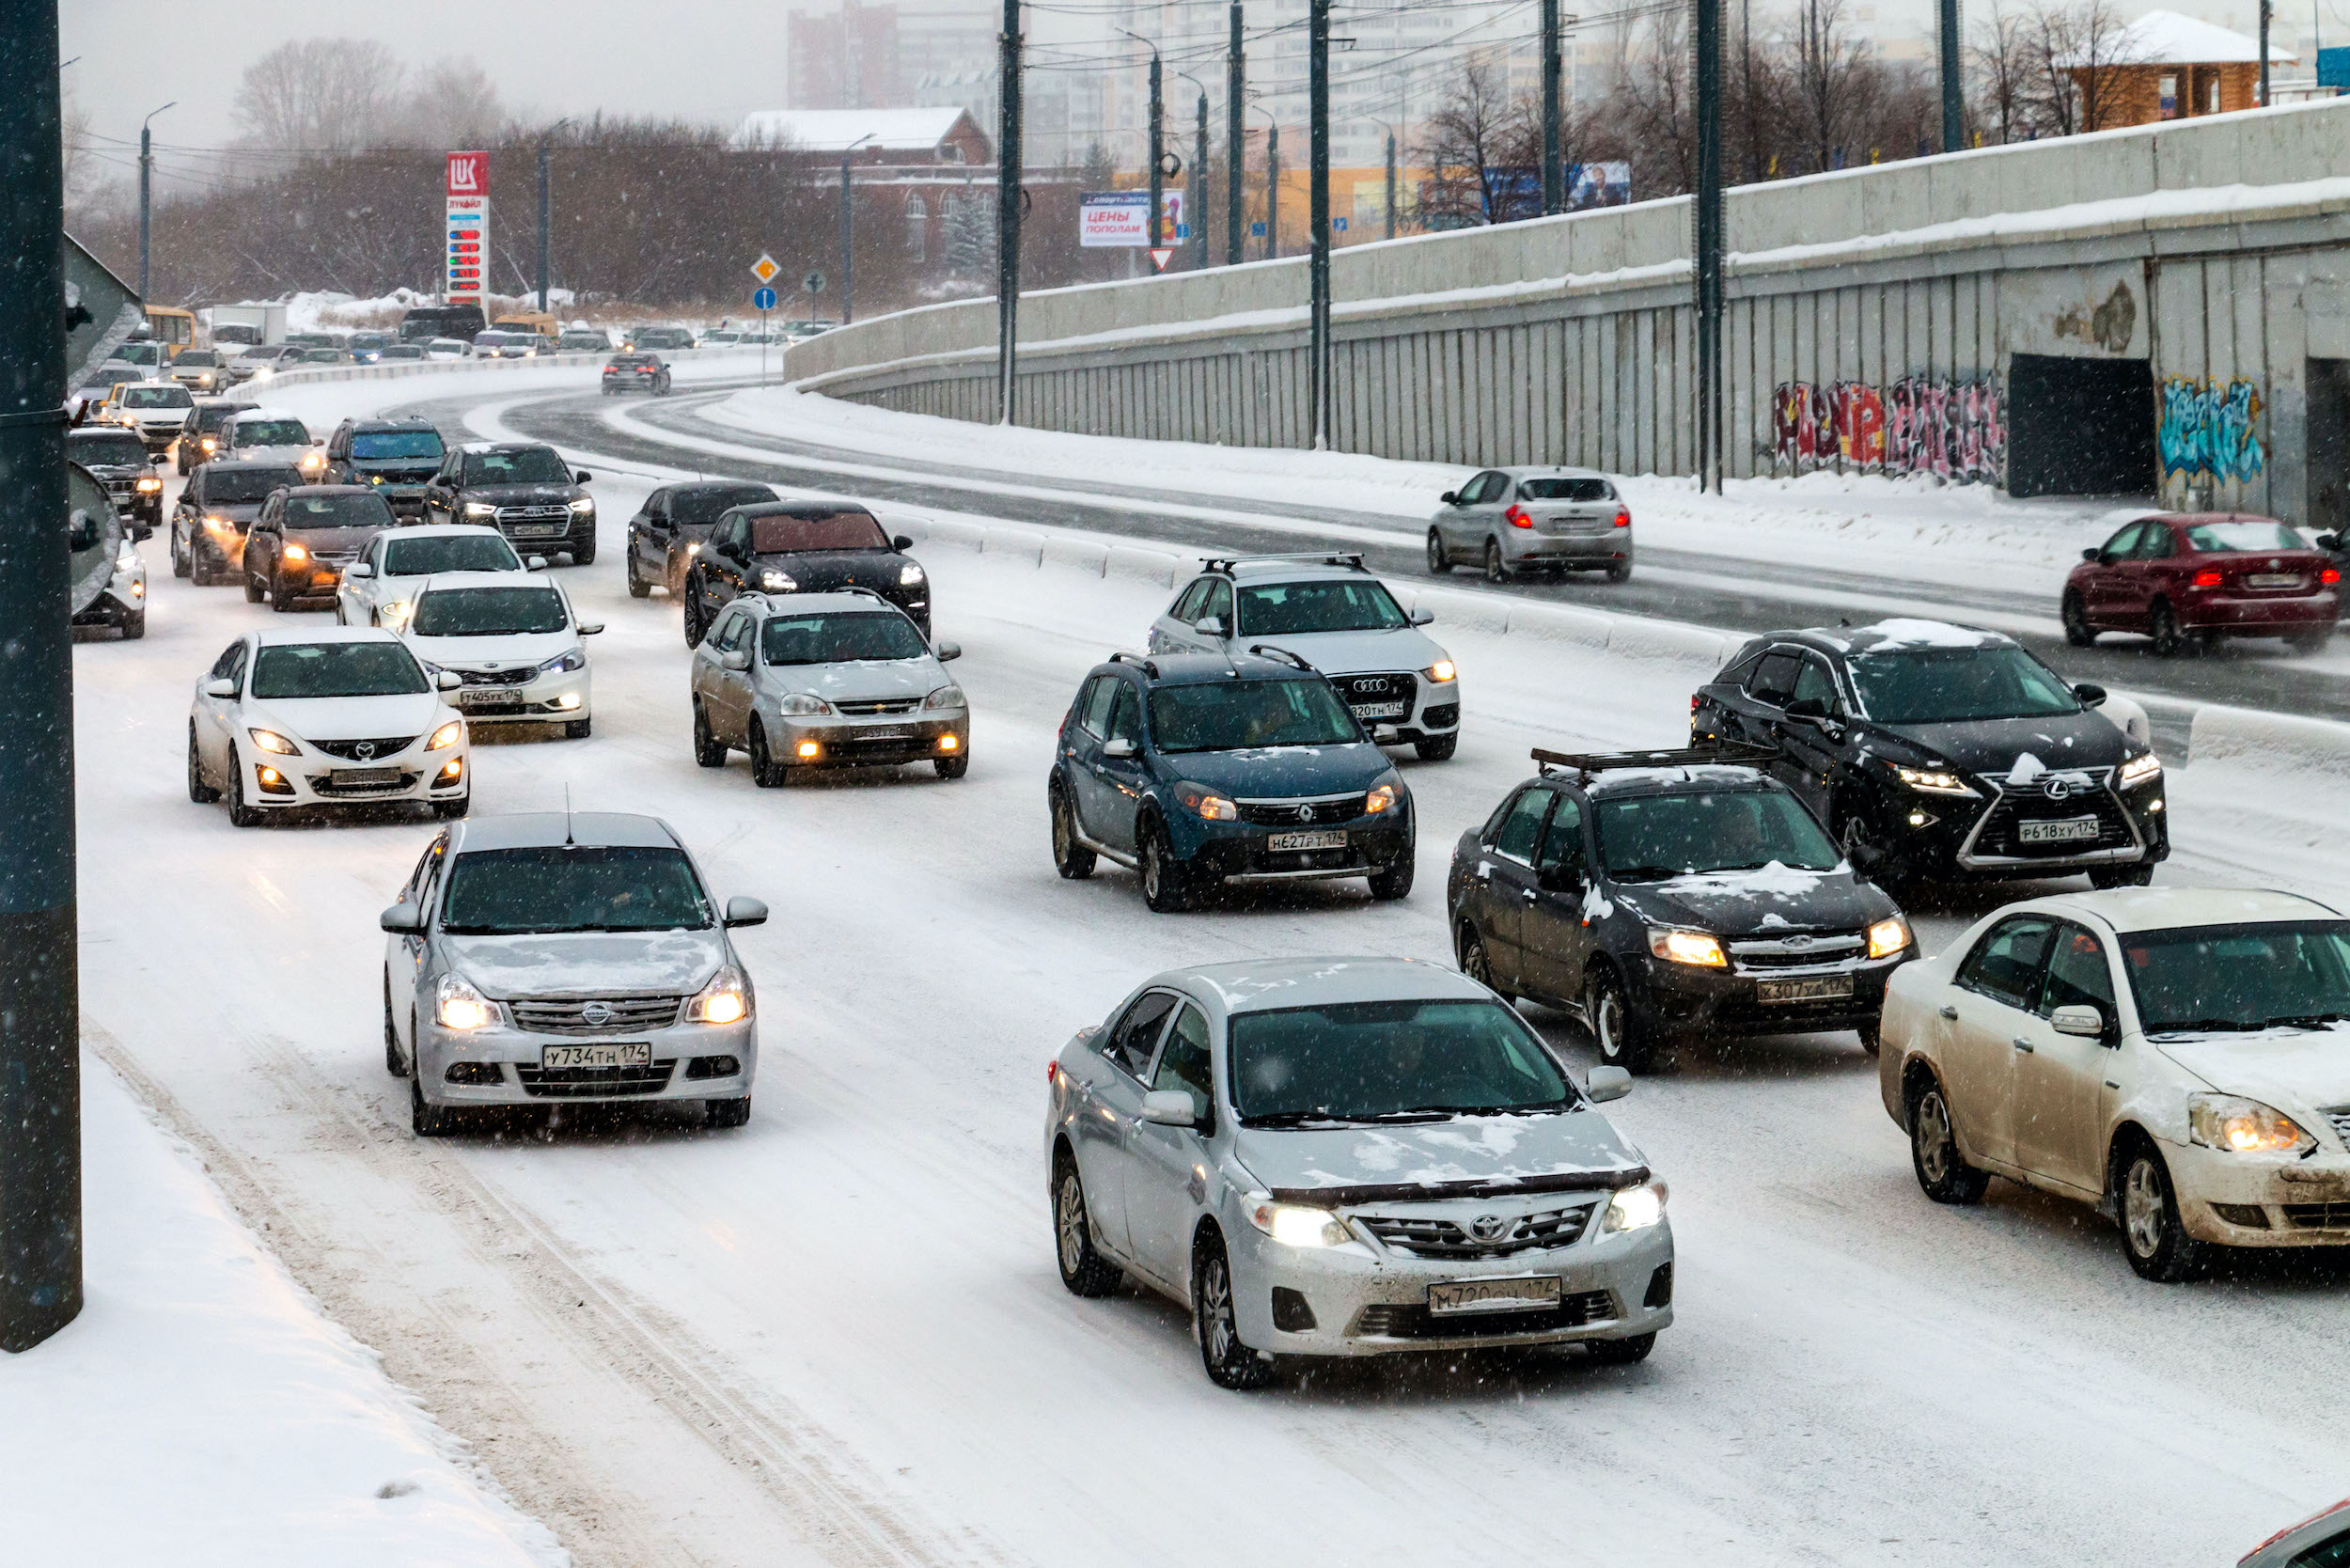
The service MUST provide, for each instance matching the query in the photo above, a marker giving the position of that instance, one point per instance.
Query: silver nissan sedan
(1351, 1158)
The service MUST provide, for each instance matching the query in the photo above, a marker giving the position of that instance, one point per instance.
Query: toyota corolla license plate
(630, 1054)
(2070, 830)
(1280, 843)
(1820, 988)
(1460, 1297)
(1380, 709)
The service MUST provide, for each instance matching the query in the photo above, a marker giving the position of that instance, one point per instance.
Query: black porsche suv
(1932, 750)
(396, 456)
(1668, 893)
(800, 548)
(524, 489)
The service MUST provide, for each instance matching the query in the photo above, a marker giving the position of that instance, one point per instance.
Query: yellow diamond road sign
(765, 268)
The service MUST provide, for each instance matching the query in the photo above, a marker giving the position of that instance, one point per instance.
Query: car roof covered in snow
(440, 581)
(260, 414)
(832, 602)
(1897, 634)
(279, 637)
(548, 829)
(2128, 909)
(506, 446)
(1263, 985)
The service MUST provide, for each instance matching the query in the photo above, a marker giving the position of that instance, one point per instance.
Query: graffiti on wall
(2209, 428)
(1918, 425)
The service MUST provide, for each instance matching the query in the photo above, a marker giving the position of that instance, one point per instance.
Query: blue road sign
(1182, 231)
(1256, 230)
(762, 299)
(1339, 224)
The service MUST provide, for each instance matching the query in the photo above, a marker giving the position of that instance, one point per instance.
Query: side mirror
(1170, 1108)
(2094, 556)
(735, 659)
(1606, 1084)
(745, 912)
(1208, 625)
(220, 687)
(1810, 708)
(588, 629)
(1451, 497)
(583, 477)
(947, 651)
(535, 563)
(2091, 694)
(1423, 618)
(1119, 748)
(900, 541)
(2082, 1019)
(1565, 877)
(2330, 542)
(357, 571)
(402, 919)
(447, 680)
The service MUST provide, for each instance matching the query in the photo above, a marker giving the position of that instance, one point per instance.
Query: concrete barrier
(1018, 544)
(1149, 566)
(2221, 737)
(1080, 554)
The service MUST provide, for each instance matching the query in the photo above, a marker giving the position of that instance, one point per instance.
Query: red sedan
(2199, 576)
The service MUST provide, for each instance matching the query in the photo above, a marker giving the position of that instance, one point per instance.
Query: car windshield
(208, 421)
(271, 432)
(306, 509)
(422, 558)
(1369, 1061)
(1953, 685)
(1650, 838)
(488, 612)
(703, 506)
(2239, 977)
(158, 396)
(368, 339)
(263, 351)
(833, 530)
(1336, 605)
(529, 466)
(391, 446)
(229, 487)
(833, 639)
(1565, 490)
(115, 377)
(634, 362)
(200, 358)
(2225, 539)
(106, 447)
(400, 351)
(1232, 715)
(336, 669)
(510, 892)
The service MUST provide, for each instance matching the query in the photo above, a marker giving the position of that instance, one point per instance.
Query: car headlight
(218, 524)
(270, 740)
(150, 482)
(1702, 949)
(1295, 1225)
(1383, 797)
(446, 736)
(1206, 803)
(395, 614)
(1888, 937)
(909, 575)
(2243, 1126)
(1934, 781)
(727, 999)
(1441, 670)
(479, 508)
(459, 1006)
(576, 658)
(695, 548)
(946, 696)
(127, 558)
(296, 553)
(803, 705)
(778, 582)
(210, 445)
(1636, 1208)
(584, 506)
(2142, 769)
(314, 459)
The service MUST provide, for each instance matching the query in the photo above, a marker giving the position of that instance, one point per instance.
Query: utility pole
(2266, 11)
(1273, 191)
(1010, 164)
(1196, 188)
(1954, 132)
(1707, 249)
(1390, 184)
(40, 1087)
(848, 235)
(1158, 147)
(1553, 67)
(1235, 142)
(1317, 221)
(146, 181)
(544, 210)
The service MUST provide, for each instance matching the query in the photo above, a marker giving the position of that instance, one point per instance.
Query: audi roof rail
(1351, 558)
(1588, 764)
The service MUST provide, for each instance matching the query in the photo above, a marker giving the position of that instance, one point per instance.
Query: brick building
(2165, 66)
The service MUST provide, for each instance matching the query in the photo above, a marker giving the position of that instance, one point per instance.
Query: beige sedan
(2179, 1057)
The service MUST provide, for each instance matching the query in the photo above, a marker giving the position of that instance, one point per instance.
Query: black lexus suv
(1940, 751)
(1668, 893)
(524, 489)
(800, 548)
(396, 456)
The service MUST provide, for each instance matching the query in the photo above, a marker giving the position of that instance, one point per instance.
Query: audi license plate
(632, 1054)
(365, 778)
(1380, 709)
(493, 697)
(2273, 579)
(1321, 840)
(534, 530)
(2070, 830)
(1460, 1297)
(1821, 988)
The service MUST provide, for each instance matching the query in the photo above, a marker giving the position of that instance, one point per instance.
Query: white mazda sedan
(512, 643)
(330, 716)
(2179, 1057)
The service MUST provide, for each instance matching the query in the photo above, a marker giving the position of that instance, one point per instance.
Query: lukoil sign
(465, 228)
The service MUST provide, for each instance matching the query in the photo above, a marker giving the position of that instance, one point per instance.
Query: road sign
(1256, 232)
(762, 299)
(1339, 225)
(1160, 256)
(765, 268)
(466, 224)
(813, 283)
(1182, 231)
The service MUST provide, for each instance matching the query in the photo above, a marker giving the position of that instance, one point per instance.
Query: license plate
(1380, 709)
(2273, 580)
(1460, 1297)
(1324, 840)
(1819, 988)
(885, 732)
(2072, 830)
(632, 1054)
(366, 778)
(489, 700)
(534, 530)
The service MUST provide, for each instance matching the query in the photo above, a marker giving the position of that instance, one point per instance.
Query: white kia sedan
(381, 587)
(330, 716)
(2179, 1057)
(512, 643)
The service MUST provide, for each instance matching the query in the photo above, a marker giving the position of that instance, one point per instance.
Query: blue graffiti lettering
(2210, 426)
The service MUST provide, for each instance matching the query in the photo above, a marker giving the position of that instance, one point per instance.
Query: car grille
(585, 1083)
(1997, 832)
(1411, 1321)
(366, 751)
(2317, 1217)
(1378, 688)
(594, 1014)
(895, 705)
(1799, 951)
(1301, 811)
(1426, 1237)
(2340, 1117)
(337, 786)
(535, 521)
(519, 677)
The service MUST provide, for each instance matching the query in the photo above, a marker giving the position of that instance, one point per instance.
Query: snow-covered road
(837, 1336)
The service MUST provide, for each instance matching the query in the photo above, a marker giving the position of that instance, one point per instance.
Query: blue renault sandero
(1204, 771)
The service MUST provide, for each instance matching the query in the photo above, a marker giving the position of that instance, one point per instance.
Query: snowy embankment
(202, 1409)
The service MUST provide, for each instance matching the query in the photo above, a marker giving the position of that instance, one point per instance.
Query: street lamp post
(1158, 135)
(848, 235)
(1318, 223)
(1196, 189)
(1389, 127)
(1235, 142)
(1010, 164)
(147, 180)
(543, 209)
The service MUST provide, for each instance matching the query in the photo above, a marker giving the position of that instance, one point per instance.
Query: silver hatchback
(1511, 522)
(1351, 1158)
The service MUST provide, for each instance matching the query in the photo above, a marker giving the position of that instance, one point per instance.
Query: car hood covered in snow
(1774, 900)
(590, 963)
(1398, 647)
(348, 718)
(1460, 1155)
(818, 571)
(1263, 772)
(2059, 742)
(863, 681)
(492, 652)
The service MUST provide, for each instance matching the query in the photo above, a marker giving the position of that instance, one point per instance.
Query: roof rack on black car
(1587, 764)
(1353, 559)
(1148, 667)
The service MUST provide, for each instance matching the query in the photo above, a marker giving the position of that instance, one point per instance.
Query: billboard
(465, 227)
(1123, 217)
(1598, 185)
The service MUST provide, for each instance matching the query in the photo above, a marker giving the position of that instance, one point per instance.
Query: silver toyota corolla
(563, 956)
(1349, 1157)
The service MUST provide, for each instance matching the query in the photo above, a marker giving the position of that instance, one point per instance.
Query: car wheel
(1439, 563)
(2078, 631)
(765, 771)
(697, 619)
(253, 589)
(1395, 881)
(2162, 624)
(1071, 858)
(1622, 1036)
(578, 730)
(134, 625)
(199, 570)
(2311, 641)
(2158, 1246)
(1477, 964)
(449, 810)
(952, 767)
(426, 1120)
(198, 790)
(1942, 1170)
(736, 1112)
(240, 814)
(1437, 748)
(394, 1063)
(708, 752)
(638, 587)
(1871, 1035)
(583, 551)
(1083, 1270)
(1620, 572)
(1230, 1364)
(1163, 885)
(180, 565)
(2139, 876)
(1620, 1353)
(1496, 570)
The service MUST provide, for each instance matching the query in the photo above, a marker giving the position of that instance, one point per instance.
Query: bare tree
(1651, 109)
(1835, 80)
(319, 95)
(1482, 151)
(2073, 51)
(2001, 62)
(453, 104)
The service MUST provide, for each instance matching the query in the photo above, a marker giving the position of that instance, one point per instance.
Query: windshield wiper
(2306, 1020)
(1295, 1118)
(1642, 873)
(1490, 1110)
(2196, 1025)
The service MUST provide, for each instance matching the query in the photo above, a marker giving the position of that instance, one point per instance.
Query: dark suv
(800, 548)
(636, 373)
(524, 489)
(298, 546)
(396, 456)
(117, 459)
(217, 506)
(1202, 771)
(1943, 751)
(1662, 893)
(199, 438)
(673, 525)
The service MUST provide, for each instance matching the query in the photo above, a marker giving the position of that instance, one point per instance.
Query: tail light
(1518, 516)
(1624, 519)
(1051, 1071)
(2329, 576)
(2207, 579)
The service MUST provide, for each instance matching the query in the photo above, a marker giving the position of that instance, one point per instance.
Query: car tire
(1394, 882)
(1164, 887)
(1083, 1270)
(1439, 560)
(394, 1063)
(2078, 631)
(1496, 570)
(135, 626)
(1437, 748)
(638, 587)
(583, 551)
(2311, 641)
(1871, 1035)
(697, 619)
(2139, 876)
(198, 790)
(1477, 964)
(180, 565)
(2162, 625)
(2157, 1247)
(578, 730)
(426, 1119)
(733, 1112)
(707, 751)
(1624, 1038)
(1071, 859)
(449, 810)
(1943, 1174)
(1620, 572)
(1230, 1363)
(765, 772)
(240, 814)
(952, 767)
(253, 589)
(1620, 1353)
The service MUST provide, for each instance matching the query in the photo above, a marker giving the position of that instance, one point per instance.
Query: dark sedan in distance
(802, 547)
(636, 373)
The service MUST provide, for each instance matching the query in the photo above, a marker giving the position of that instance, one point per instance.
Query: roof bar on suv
(1149, 667)
(1587, 764)
(1353, 559)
